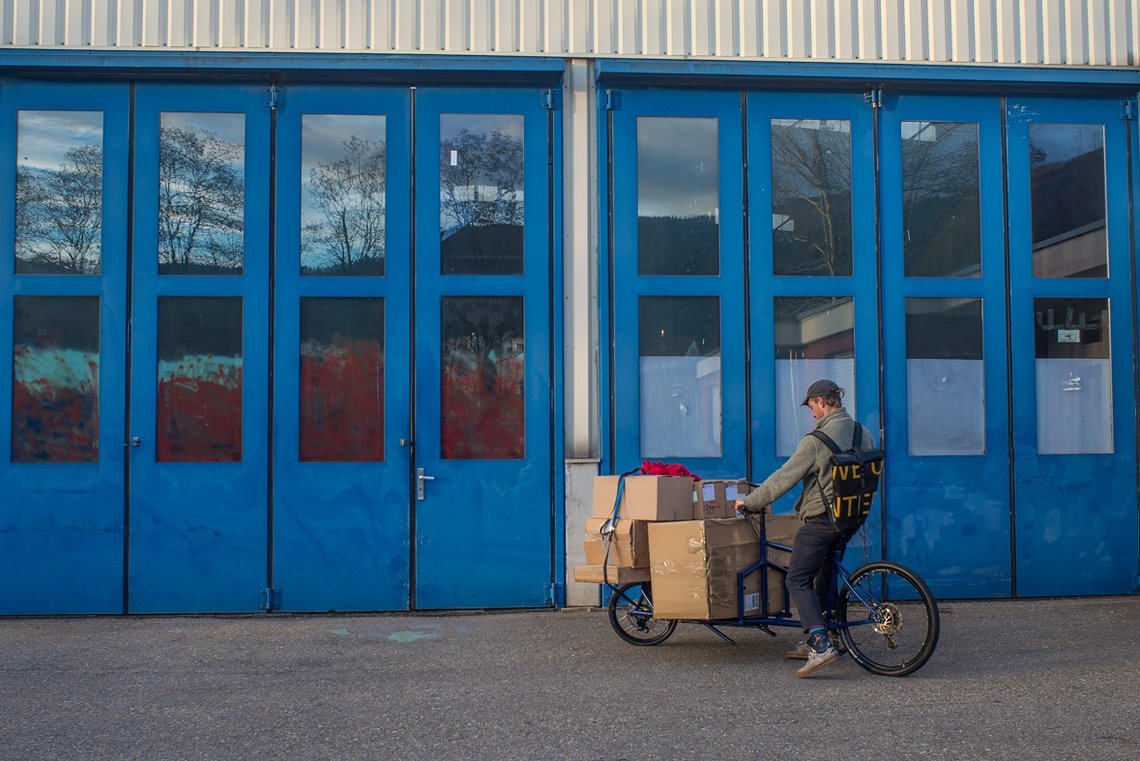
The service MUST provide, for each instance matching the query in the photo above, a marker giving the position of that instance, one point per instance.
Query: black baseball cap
(822, 387)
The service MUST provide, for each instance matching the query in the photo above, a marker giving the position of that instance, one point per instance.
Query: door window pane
(483, 365)
(199, 379)
(678, 197)
(680, 378)
(55, 383)
(481, 194)
(343, 195)
(811, 197)
(815, 338)
(1066, 165)
(59, 192)
(1074, 376)
(945, 378)
(201, 194)
(941, 199)
(342, 380)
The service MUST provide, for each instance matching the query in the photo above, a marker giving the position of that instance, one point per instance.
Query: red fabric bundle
(667, 469)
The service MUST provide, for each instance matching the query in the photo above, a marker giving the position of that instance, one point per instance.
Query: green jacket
(807, 464)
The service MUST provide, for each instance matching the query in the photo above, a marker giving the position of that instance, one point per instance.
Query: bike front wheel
(631, 616)
(888, 619)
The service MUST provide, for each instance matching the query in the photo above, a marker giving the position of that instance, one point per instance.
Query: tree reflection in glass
(59, 192)
(1066, 169)
(201, 194)
(343, 175)
(811, 197)
(941, 201)
(481, 194)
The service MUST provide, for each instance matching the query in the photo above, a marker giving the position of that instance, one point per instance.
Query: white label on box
(708, 492)
(752, 602)
(731, 493)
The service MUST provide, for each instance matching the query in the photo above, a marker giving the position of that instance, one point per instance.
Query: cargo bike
(882, 612)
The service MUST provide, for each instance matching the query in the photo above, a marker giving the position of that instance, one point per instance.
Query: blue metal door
(63, 215)
(199, 357)
(341, 453)
(812, 269)
(944, 342)
(483, 509)
(1074, 416)
(677, 269)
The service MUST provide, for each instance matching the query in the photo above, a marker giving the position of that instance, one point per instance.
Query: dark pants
(809, 573)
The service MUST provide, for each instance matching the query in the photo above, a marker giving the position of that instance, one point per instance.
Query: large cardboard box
(629, 543)
(708, 500)
(645, 498)
(615, 574)
(695, 564)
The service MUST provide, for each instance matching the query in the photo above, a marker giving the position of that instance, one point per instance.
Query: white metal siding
(1072, 32)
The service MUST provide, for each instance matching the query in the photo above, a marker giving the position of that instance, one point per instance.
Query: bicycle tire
(890, 623)
(631, 615)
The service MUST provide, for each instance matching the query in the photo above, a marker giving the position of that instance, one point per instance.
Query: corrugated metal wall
(1073, 32)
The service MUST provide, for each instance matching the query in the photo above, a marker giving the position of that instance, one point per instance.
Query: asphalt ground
(1027, 679)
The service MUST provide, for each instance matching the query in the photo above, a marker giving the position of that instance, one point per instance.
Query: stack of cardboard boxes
(683, 536)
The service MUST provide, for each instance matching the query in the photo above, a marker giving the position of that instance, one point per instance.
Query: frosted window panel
(946, 406)
(680, 407)
(1074, 406)
(793, 376)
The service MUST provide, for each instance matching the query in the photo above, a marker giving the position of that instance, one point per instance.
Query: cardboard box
(735, 490)
(629, 543)
(645, 498)
(695, 565)
(708, 501)
(617, 575)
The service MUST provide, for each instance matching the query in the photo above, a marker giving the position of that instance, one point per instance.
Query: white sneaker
(817, 659)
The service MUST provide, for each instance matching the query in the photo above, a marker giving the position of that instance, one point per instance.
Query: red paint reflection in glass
(199, 411)
(482, 372)
(55, 389)
(342, 401)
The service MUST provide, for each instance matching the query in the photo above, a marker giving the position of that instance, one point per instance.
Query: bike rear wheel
(631, 615)
(888, 619)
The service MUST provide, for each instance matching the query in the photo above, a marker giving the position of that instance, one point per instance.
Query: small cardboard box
(734, 490)
(614, 574)
(629, 543)
(695, 566)
(708, 500)
(645, 498)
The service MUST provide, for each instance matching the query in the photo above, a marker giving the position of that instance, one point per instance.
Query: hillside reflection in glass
(941, 202)
(680, 376)
(201, 194)
(55, 379)
(815, 338)
(678, 199)
(343, 174)
(342, 380)
(811, 197)
(199, 379)
(59, 192)
(482, 370)
(481, 194)
(1066, 165)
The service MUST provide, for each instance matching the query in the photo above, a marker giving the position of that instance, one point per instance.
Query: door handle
(136, 441)
(420, 478)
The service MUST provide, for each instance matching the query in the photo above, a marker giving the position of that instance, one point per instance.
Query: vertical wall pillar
(580, 315)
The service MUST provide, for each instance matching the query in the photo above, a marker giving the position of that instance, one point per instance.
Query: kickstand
(720, 634)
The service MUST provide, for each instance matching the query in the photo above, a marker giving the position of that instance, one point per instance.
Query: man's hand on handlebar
(741, 509)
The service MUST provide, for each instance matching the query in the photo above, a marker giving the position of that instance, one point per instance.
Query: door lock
(136, 441)
(420, 478)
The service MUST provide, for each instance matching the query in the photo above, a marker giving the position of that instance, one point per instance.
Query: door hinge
(270, 598)
(874, 97)
(273, 97)
(1128, 109)
(554, 592)
(552, 99)
(613, 100)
